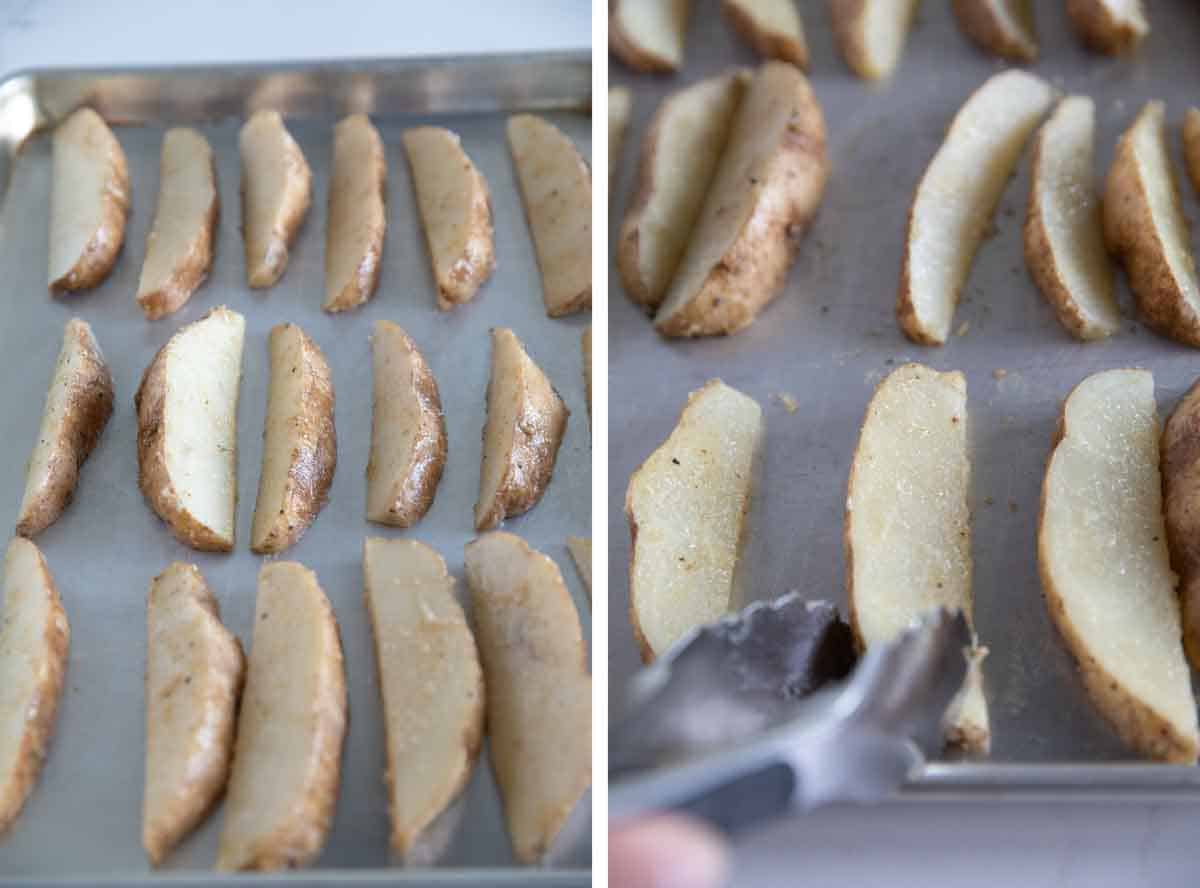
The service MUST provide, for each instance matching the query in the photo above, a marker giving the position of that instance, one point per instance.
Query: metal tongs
(752, 718)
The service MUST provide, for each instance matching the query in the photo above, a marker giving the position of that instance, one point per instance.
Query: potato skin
(1181, 509)
(1099, 29)
(1191, 146)
(976, 21)
(767, 44)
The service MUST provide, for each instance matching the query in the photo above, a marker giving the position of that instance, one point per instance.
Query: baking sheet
(831, 335)
(84, 816)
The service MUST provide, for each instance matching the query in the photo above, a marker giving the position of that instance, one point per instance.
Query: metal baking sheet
(831, 335)
(84, 817)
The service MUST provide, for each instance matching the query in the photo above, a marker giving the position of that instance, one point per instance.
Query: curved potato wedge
(1105, 569)
(957, 195)
(187, 430)
(434, 725)
(194, 673)
(581, 554)
(648, 35)
(34, 641)
(79, 403)
(299, 442)
(556, 190)
(1145, 228)
(871, 34)
(686, 506)
(772, 27)
(276, 193)
(908, 526)
(1003, 28)
(620, 105)
(357, 220)
(408, 431)
(1109, 26)
(1064, 231)
(1181, 507)
(1191, 146)
(179, 247)
(526, 421)
(539, 692)
(89, 202)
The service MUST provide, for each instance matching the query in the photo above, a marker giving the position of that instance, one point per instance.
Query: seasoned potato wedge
(581, 554)
(620, 104)
(1003, 28)
(79, 403)
(1109, 26)
(1105, 568)
(648, 35)
(276, 193)
(772, 27)
(357, 220)
(686, 506)
(1191, 146)
(539, 692)
(1181, 507)
(871, 34)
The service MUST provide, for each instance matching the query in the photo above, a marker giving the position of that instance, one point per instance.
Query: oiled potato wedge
(89, 202)
(539, 692)
(79, 403)
(1003, 28)
(291, 724)
(299, 442)
(34, 640)
(456, 212)
(957, 195)
(908, 526)
(179, 247)
(1145, 228)
(1191, 146)
(871, 34)
(772, 27)
(581, 554)
(1180, 453)
(526, 421)
(620, 104)
(1105, 569)
(686, 506)
(357, 220)
(1109, 26)
(194, 673)
(187, 430)
(276, 193)
(648, 35)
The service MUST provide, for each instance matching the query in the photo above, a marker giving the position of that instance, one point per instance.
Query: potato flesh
(82, 176)
(276, 182)
(620, 103)
(506, 399)
(186, 192)
(656, 26)
(356, 223)
(775, 16)
(885, 29)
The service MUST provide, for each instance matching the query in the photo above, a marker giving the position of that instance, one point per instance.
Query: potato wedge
(680, 152)
(408, 431)
(768, 185)
(357, 219)
(620, 105)
(456, 212)
(526, 421)
(34, 640)
(276, 193)
(1109, 26)
(79, 403)
(556, 190)
(870, 34)
(586, 348)
(89, 202)
(686, 506)
(434, 725)
(299, 442)
(1003, 28)
(1145, 228)
(1180, 452)
(194, 673)
(908, 526)
(179, 247)
(648, 35)
(187, 430)
(581, 554)
(1191, 146)
(1064, 230)
(1105, 568)
(538, 689)
(957, 196)
(772, 27)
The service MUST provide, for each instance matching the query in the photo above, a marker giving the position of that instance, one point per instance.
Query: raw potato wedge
(1105, 568)
(620, 104)
(871, 34)
(686, 506)
(1145, 228)
(456, 212)
(408, 431)
(291, 724)
(194, 673)
(1109, 26)
(581, 554)
(526, 421)
(357, 220)
(556, 190)
(648, 35)
(957, 196)
(772, 27)
(435, 724)
(299, 442)
(79, 403)
(276, 193)
(89, 202)
(187, 430)
(1191, 146)
(908, 526)
(1181, 507)
(179, 247)
(768, 185)
(678, 161)
(34, 641)
(538, 689)
(1003, 28)
(586, 345)
(1064, 231)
